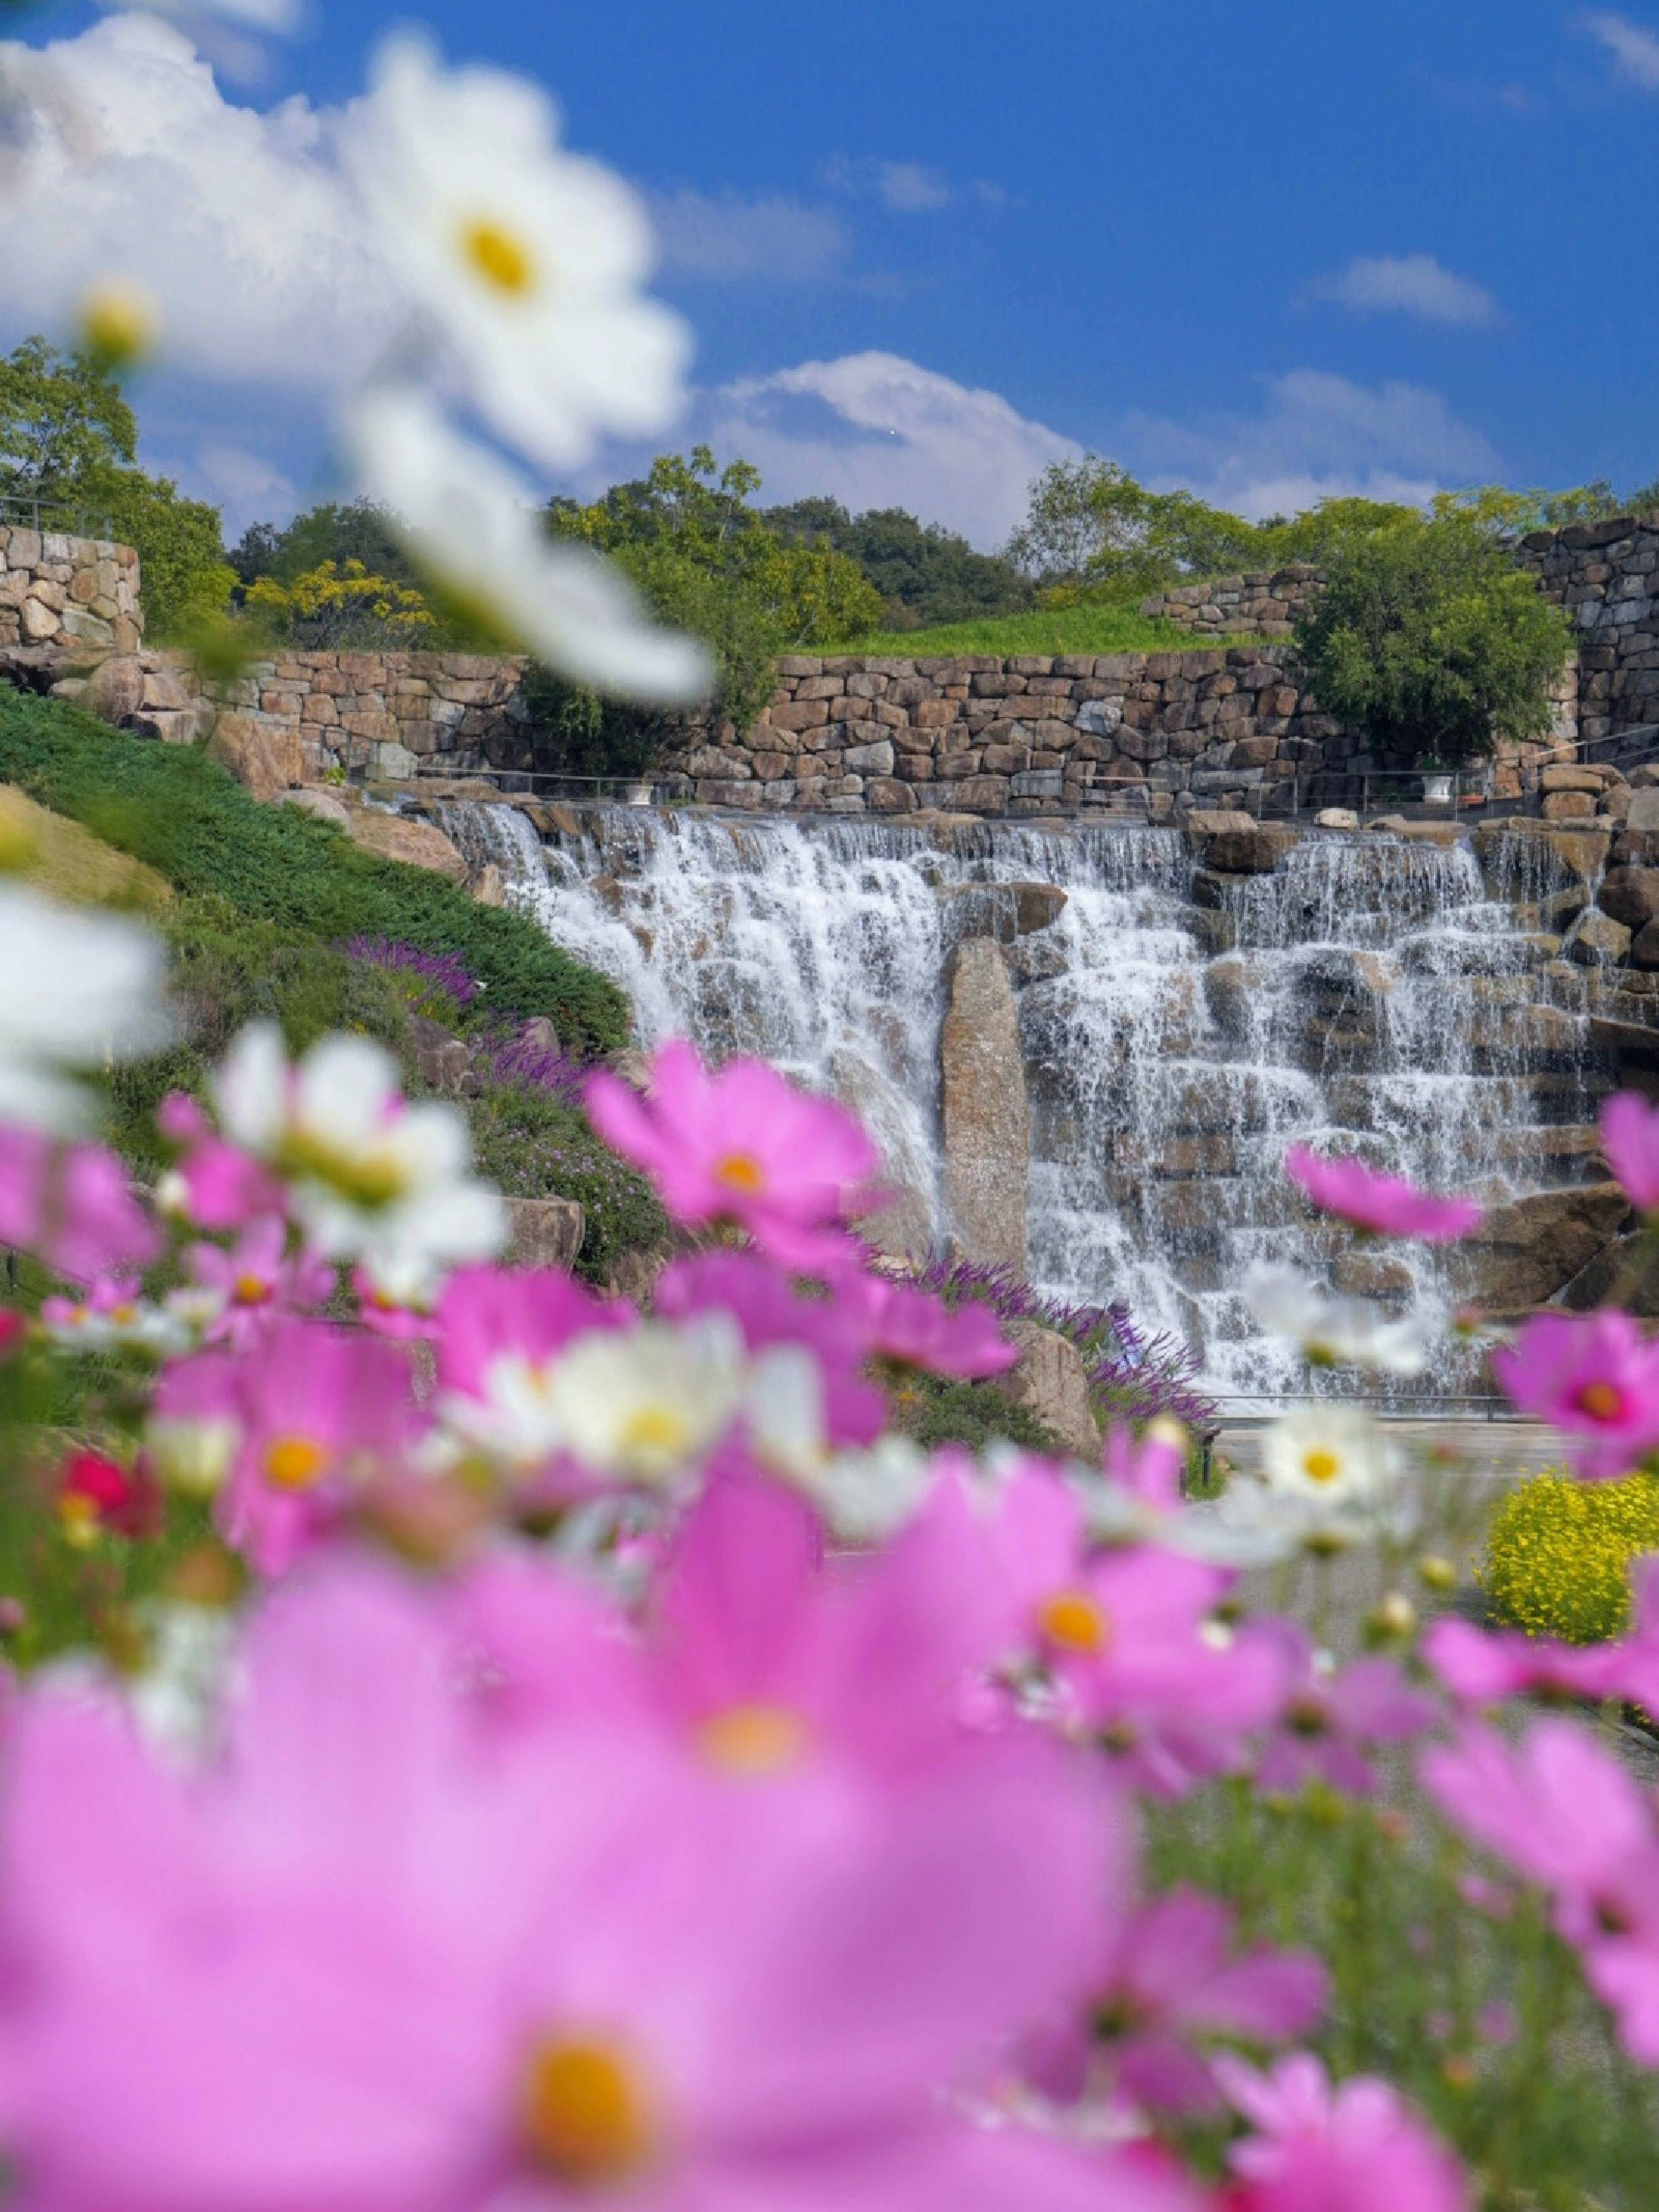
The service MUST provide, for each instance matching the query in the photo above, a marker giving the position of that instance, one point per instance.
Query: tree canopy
(924, 572)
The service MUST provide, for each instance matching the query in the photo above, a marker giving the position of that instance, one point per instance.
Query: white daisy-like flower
(530, 259)
(471, 522)
(642, 1404)
(1330, 1478)
(77, 990)
(192, 1453)
(372, 1176)
(866, 1497)
(131, 1325)
(1332, 1331)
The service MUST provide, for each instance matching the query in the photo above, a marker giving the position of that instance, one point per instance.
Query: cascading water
(1179, 1029)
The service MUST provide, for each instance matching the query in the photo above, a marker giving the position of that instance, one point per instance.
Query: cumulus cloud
(1318, 436)
(237, 221)
(1635, 51)
(1410, 284)
(729, 237)
(872, 429)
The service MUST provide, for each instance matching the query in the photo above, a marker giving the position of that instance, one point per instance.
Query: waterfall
(1179, 1029)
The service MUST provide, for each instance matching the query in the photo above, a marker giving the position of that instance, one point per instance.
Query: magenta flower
(213, 1185)
(1630, 1138)
(740, 1144)
(1333, 1720)
(1593, 1375)
(404, 1967)
(255, 1279)
(72, 1205)
(319, 1413)
(910, 1328)
(1485, 1667)
(1169, 1979)
(1385, 1205)
(1352, 2147)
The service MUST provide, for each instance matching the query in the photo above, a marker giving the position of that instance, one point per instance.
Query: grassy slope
(1058, 630)
(172, 808)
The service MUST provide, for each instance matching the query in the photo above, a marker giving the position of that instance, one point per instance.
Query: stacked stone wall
(79, 593)
(1606, 574)
(1263, 603)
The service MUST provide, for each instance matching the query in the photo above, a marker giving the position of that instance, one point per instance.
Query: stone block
(1596, 939)
(875, 759)
(1568, 806)
(265, 757)
(324, 805)
(545, 1232)
(401, 837)
(1051, 1381)
(1630, 895)
(985, 1116)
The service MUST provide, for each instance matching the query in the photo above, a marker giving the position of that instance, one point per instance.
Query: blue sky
(924, 248)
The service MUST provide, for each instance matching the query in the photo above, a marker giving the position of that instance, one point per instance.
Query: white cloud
(1410, 284)
(907, 187)
(1635, 51)
(872, 429)
(1319, 437)
(236, 220)
(702, 235)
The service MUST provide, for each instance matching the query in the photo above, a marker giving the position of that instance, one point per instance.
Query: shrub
(342, 605)
(532, 1143)
(171, 806)
(932, 1411)
(1430, 641)
(1558, 1554)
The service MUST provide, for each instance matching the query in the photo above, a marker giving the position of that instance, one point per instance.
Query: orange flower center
(1602, 1401)
(1320, 1466)
(502, 260)
(741, 1171)
(753, 1739)
(294, 1462)
(1073, 1621)
(252, 1290)
(583, 2116)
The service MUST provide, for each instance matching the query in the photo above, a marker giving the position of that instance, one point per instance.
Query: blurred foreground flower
(77, 990)
(470, 521)
(1595, 1376)
(1385, 1205)
(528, 258)
(1332, 1331)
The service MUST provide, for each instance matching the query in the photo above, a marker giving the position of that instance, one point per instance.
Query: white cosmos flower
(642, 1405)
(865, 1497)
(372, 1176)
(77, 989)
(471, 522)
(529, 259)
(1330, 1478)
(1332, 1331)
(191, 1453)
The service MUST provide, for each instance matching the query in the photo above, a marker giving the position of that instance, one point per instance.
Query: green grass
(1044, 630)
(186, 817)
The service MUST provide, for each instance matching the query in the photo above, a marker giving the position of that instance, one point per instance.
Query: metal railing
(527, 782)
(27, 510)
(1489, 1406)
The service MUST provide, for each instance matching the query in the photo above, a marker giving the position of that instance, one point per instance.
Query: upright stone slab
(984, 1113)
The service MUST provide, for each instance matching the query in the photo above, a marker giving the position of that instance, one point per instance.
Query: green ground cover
(1090, 629)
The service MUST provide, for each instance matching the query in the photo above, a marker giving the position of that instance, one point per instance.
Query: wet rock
(1596, 939)
(1526, 1252)
(984, 1113)
(1644, 947)
(545, 1232)
(903, 1228)
(1558, 859)
(1256, 851)
(1052, 1383)
(1630, 895)
(1003, 911)
(488, 885)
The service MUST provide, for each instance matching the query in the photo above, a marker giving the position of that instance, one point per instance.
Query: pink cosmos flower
(1129, 1639)
(1561, 1811)
(910, 1328)
(740, 1144)
(1168, 1978)
(405, 1967)
(1483, 1667)
(766, 1306)
(1331, 1721)
(1385, 1205)
(1149, 1466)
(1630, 1138)
(255, 1279)
(318, 1412)
(1593, 1375)
(213, 1184)
(72, 1205)
(1352, 2147)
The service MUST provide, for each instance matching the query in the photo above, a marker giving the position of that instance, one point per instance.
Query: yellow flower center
(251, 1291)
(753, 1739)
(583, 2116)
(294, 1462)
(78, 1517)
(366, 1178)
(655, 1432)
(1322, 1465)
(124, 1315)
(1602, 1401)
(741, 1171)
(1072, 1620)
(502, 260)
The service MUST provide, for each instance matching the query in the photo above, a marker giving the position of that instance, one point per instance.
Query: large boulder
(1256, 851)
(400, 837)
(1052, 1382)
(325, 805)
(115, 688)
(1630, 895)
(984, 1113)
(545, 1232)
(264, 755)
(1004, 911)
(1543, 856)
(1596, 939)
(1526, 1252)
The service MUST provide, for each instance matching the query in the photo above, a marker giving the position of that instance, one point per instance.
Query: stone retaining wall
(80, 592)
(1606, 574)
(1264, 604)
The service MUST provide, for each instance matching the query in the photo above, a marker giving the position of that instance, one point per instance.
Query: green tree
(1430, 640)
(356, 531)
(924, 572)
(68, 443)
(1093, 529)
